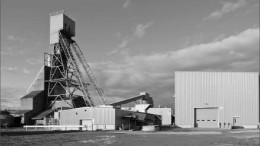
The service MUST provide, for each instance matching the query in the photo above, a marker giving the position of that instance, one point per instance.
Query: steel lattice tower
(66, 79)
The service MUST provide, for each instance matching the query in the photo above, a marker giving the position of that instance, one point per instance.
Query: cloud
(11, 37)
(126, 4)
(139, 32)
(15, 38)
(121, 47)
(140, 29)
(226, 8)
(121, 51)
(9, 69)
(7, 50)
(220, 55)
(35, 61)
(13, 51)
(123, 43)
(10, 97)
(154, 73)
(26, 71)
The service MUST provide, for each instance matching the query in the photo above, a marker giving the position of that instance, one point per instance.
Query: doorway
(206, 117)
(87, 124)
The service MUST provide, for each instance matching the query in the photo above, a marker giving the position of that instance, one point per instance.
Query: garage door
(206, 117)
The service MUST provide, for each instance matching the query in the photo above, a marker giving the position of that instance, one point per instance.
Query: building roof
(43, 114)
(32, 94)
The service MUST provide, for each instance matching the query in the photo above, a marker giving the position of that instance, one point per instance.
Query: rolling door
(206, 117)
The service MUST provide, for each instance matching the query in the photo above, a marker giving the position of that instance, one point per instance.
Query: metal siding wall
(105, 116)
(56, 23)
(70, 24)
(237, 93)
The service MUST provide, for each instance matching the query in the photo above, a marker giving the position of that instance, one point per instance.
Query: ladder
(65, 45)
(88, 71)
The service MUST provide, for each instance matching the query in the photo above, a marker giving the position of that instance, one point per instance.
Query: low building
(106, 118)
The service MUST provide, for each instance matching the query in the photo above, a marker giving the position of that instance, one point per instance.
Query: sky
(132, 46)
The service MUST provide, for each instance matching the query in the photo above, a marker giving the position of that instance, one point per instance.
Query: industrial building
(217, 99)
(59, 95)
(106, 118)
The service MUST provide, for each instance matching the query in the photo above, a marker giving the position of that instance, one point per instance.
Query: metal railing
(93, 127)
(53, 127)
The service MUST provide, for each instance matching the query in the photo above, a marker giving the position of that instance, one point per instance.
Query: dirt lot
(176, 137)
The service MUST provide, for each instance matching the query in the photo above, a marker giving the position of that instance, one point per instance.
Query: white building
(165, 113)
(217, 99)
(104, 118)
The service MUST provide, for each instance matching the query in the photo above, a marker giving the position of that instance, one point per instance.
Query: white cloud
(10, 97)
(13, 51)
(15, 38)
(10, 37)
(140, 29)
(9, 69)
(7, 50)
(154, 73)
(35, 61)
(115, 51)
(123, 43)
(139, 32)
(126, 4)
(26, 71)
(121, 47)
(226, 8)
(121, 51)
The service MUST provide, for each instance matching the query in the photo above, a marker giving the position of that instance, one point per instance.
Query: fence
(53, 127)
(94, 127)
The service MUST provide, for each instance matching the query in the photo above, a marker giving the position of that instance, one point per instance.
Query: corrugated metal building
(104, 118)
(101, 118)
(216, 99)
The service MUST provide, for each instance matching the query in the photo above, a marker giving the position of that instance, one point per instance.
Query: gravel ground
(176, 137)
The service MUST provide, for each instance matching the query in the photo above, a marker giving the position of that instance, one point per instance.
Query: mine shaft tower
(68, 68)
